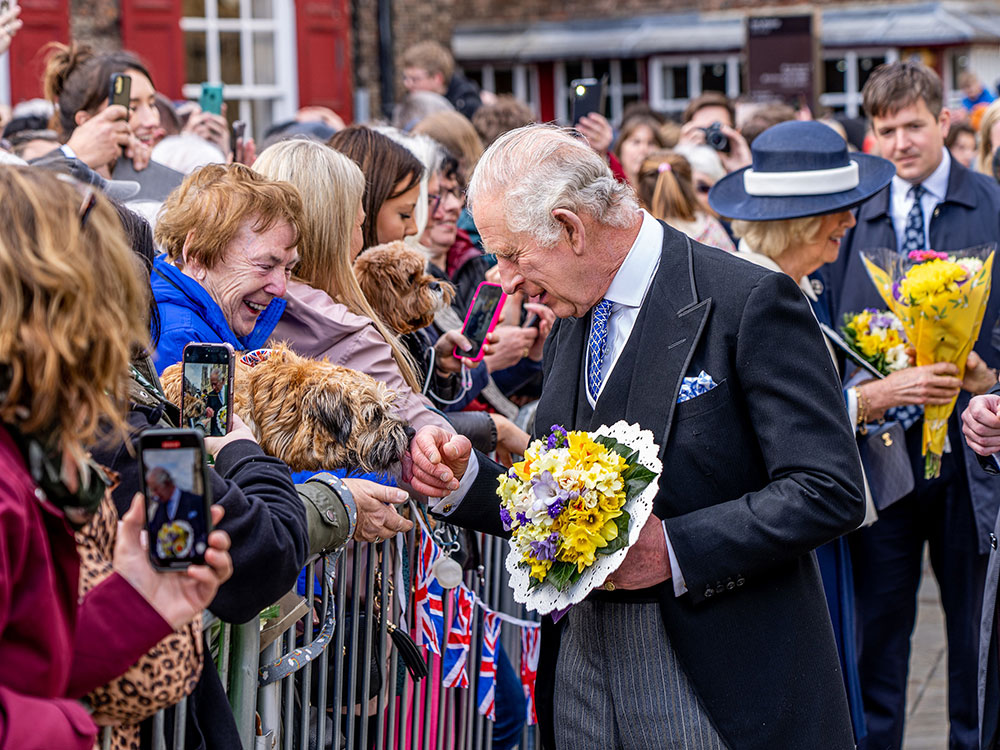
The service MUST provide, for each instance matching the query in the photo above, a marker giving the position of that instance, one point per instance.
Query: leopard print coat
(165, 674)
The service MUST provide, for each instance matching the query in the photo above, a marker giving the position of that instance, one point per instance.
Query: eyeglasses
(434, 200)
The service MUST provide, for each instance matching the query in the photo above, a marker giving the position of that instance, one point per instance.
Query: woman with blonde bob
(327, 314)
(666, 190)
(72, 311)
(989, 139)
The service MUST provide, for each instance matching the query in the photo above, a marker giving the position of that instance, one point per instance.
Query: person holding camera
(710, 119)
(64, 363)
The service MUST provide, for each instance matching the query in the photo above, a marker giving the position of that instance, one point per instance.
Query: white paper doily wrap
(546, 598)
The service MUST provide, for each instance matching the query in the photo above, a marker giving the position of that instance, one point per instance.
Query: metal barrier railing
(331, 702)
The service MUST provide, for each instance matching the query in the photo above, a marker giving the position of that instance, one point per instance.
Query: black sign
(781, 56)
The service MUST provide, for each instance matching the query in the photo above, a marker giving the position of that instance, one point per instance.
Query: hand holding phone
(587, 95)
(207, 389)
(177, 495)
(484, 311)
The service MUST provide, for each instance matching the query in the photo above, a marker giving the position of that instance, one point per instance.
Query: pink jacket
(315, 326)
(54, 647)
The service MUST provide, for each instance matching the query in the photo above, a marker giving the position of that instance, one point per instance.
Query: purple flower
(505, 519)
(546, 548)
(557, 438)
(561, 501)
(522, 519)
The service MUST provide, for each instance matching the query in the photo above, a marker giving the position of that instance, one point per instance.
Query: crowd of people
(634, 258)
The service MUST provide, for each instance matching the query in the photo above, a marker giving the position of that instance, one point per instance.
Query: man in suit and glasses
(714, 632)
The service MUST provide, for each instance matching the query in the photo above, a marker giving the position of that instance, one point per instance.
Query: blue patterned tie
(914, 238)
(597, 346)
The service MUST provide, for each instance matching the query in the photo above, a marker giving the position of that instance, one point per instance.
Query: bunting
(530, 642)
(486, 693)
(427, 598)
(459, 640)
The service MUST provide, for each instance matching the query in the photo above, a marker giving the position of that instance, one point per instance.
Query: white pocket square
(695, 386)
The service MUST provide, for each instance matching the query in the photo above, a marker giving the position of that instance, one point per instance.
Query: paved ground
(927, 694)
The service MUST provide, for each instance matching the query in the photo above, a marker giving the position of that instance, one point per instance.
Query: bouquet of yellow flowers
(878, 338)
(573, 506)
(940, 299)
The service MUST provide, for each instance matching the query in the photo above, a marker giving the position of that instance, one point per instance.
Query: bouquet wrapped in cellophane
(573, 506)
(940, 299)
(877, 337)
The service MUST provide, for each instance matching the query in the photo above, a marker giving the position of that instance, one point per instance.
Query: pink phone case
(493, 321)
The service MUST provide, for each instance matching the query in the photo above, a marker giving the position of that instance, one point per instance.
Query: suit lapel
(666, 334)
(561, 384)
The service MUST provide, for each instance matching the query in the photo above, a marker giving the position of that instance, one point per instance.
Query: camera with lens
(715, 138)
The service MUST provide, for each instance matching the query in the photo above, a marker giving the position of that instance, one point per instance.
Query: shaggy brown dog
(313, 415)
(404, 295)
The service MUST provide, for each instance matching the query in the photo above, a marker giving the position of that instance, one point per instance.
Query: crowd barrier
(278, 671)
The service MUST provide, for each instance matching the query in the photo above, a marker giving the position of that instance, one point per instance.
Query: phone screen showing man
(176, 510)
(206, 397)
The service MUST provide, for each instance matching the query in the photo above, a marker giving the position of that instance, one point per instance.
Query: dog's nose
(409, 432)
(435, 286)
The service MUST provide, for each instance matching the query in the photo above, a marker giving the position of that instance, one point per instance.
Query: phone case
(493, 321)
(231, 370)
(211, 99)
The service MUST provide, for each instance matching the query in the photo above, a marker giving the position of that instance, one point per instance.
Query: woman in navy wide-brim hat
(790, 210)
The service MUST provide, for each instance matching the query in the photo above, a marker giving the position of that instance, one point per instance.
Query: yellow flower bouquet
(940, 299)
(573, 506)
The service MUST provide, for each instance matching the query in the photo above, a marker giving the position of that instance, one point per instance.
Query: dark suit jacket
(757, 473)
(190, 508)
(969, 216)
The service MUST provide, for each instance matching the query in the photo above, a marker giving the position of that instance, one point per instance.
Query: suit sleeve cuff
(680, 586)
(454, 499)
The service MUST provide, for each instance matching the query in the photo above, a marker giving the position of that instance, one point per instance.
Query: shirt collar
(630, 283)
(936, 184)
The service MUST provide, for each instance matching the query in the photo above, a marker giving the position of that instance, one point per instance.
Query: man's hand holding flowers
(647, 562)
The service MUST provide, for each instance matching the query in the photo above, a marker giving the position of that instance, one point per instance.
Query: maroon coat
(52, 649)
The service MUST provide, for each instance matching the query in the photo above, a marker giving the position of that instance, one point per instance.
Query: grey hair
(160, 475)
(539, 168)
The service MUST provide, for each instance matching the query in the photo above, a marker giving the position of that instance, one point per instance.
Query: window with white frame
(249, 47)
(520, 81)
(625, 84)
(675, 81)
(844, 75)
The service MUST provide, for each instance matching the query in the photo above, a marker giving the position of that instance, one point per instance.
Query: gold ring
(609, 585)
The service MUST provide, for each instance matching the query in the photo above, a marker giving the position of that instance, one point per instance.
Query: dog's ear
(331, 411)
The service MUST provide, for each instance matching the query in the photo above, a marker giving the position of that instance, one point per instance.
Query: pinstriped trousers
(619, 685)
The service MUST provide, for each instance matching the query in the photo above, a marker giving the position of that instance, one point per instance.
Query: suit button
(719, 588)
(730, 584)
(993, 540)
(739, 581)
(708, 592)
(937, 211)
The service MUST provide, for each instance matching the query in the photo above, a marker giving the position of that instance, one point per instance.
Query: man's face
(712, 113)
(560, 275)
(215, 381)
(418, 79)
(912, 139)
(255, 270)
(160, 490)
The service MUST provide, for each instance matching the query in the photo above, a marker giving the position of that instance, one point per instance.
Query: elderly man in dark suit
(933, 203)
(714, 632)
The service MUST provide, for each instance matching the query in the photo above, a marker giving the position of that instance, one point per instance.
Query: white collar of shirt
(935, 191)
(628, 289)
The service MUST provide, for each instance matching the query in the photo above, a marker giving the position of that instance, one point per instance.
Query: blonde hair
(984, 154)
(331, 186)
(665, 187)
(214, 202)
(772, 238)
(457, 134)
(72, 310)
(430, 56)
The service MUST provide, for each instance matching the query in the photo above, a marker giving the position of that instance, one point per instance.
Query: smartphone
(178, 496)
(211, 98)
(120, 89)
(237, 133)
(484, 311)
(588, 95)
(207, 390)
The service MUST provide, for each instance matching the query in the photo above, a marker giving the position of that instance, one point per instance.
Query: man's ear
(944, 120)
(439, 81)
(573, 226)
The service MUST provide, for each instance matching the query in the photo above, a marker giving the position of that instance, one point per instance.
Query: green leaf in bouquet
(637, 478)
(561, 575)
(620, 541)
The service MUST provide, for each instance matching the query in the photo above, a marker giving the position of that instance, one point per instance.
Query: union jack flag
(486, 692)
(427, 598)
(459, 641)
(530, 641)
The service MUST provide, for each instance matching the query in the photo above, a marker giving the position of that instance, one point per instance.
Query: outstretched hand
(436, 461)
(177, 596)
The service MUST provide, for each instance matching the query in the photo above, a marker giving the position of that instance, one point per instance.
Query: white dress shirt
(901, 199)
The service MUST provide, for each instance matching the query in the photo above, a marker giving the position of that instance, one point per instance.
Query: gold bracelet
(862, 412)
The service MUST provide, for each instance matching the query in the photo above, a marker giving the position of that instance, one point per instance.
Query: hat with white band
(799, 169)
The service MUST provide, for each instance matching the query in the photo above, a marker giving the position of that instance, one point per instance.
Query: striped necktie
(597, 347)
